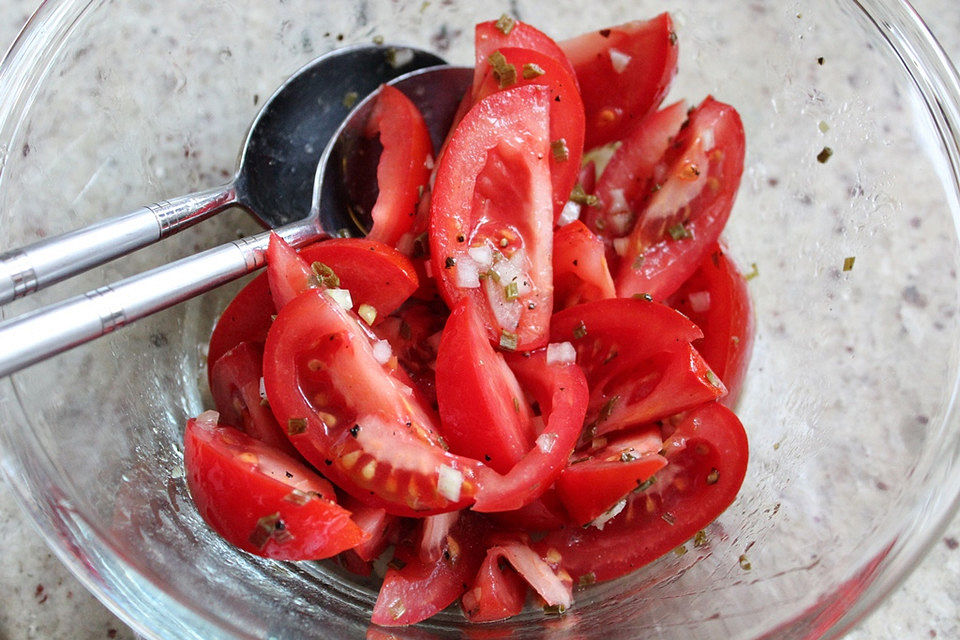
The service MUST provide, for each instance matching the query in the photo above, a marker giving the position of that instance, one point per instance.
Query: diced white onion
(621, 221)
(561, 353)
(545, 442)
(708, 140)
(619, 59)
(400, 58)
(342, 297)
(700, 301)
(263, 389)
(482, 255)
(382, 351)
(621, 246)
(618, 201)
(468, 275)
(609, 515)
(569, 213)
(449, 481)
(507, 313)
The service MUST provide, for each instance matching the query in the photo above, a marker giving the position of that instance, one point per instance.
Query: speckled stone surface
(40, 599)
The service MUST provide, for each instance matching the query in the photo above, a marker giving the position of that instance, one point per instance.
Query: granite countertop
(39, 598)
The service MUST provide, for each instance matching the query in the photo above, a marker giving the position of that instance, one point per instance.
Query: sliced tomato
(628, 179)
(435, 531)
(414, 335)
(561, 391)
(498, 592)
(706, 464)
(261, 500)
(414, 590)
(288, 273)
(698, 180)
(375, 522)
(495, 425)
(715, 297)
(246, 319)
(580, 271)
(492, 215)
(546, 513)
(624, 72)
(404, 168)
(349, 415)
(235, 381)
(566, 112)
(595, 481)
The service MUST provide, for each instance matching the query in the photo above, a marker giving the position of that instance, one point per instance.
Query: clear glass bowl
(849, 404)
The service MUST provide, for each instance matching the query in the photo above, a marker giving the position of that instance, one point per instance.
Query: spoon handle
(25, 270)
(45, 332)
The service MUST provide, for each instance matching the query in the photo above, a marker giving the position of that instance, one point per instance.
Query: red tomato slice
(416, 590)
(551, 583)
(698, 177)
(246, 319)
(580, 271)
(594, 482)
(498, 592)
(375, 522)
(546, 513)
(561, 391)
(624, 72)
(495, 424)
(404, 168)
(706, 464)
(488, 37)
(288, 273)
(414, 334)
(716, 298)
(350, 417)
(435, 531)
(566, 112)
(492, 214)
(235, 386)
(261, 500)
(628, 178)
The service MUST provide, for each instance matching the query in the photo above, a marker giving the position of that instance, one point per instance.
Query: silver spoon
(43, 333)
(274, 180)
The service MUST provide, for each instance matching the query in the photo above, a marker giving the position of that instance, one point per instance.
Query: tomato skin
(598, 480)
(614, 99)
(246, 319)
(493, 189)
(701, 176)
(361, 425)
(236, 481)
(726, 321)
(561, 391)
(404, 167)
(288, 273)
(566, 114)
(496, 593)
(235, 386)
(494, 425)
(489, 38)
(580, 271)
(659, 519)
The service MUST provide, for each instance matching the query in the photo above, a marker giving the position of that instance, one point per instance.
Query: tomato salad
(520, 381)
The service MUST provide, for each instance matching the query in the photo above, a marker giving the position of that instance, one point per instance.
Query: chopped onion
(621, 246)
(545, 442)
(263, 389)
(700, 301)
(341, 297)
(428, 162)
(506, 313)
(435, 531)
(382, 351)
(618, 201)
(482, 255)
(368, 312)
(400, 57)
(609, 515)
(708, 139)
(619, 59)
(561, 353)
(449, 481)
(468, 275)
(621, 221)
(569, 213)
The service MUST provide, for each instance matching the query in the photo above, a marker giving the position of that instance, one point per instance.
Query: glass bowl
(849, 403)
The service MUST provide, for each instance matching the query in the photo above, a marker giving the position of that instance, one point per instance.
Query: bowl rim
(26, 62)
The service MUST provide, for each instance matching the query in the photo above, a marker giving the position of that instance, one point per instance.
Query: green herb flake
(713, 379)
(503, 71)
(350, 99)
(646, 484)
(509, 340)
(848, 263)
(580, 196)
(680, 551)
(679, 232)
(700, 539)
(325, 275)
(754, 272)
(377, 39)
(560, 150)
(823, 126)
(516, 404)
(824, 155)
(531, 71)
(505, 24)
(397, 609)
(607, 409)
(588, 579)
(668, 517)
(580, 330)
(744, 562)
(296, 426)
(556, 609)
(511, 292)
(628, 456)
(642, 296)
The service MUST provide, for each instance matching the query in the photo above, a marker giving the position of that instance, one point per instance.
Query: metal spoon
(274, 180)
(51, 330)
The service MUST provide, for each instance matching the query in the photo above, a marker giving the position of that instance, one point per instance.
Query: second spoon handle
(25, 270)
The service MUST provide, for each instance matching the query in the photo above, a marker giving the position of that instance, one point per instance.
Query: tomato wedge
(235, 386)
(246, 319)
(698, 180)
(580, 271)
(715, 297)
(260, 499)
(495, 425)
(492, 215)
(624, 72)
(566, 111)
(404, 168)
(706, 464)
(350, 416)
(498, 592)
